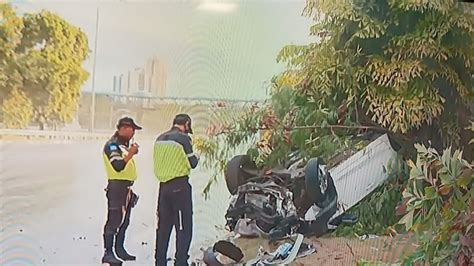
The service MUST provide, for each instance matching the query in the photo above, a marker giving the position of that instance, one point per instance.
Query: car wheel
(235, 174)
(315, 184)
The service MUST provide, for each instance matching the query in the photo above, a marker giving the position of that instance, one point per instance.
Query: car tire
(313, 182)
(396, 146)
(234, 175)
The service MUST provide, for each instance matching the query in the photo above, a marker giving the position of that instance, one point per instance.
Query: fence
(52, 136)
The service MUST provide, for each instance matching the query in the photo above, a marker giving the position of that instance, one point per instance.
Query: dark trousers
(175, 208)
(120, 200)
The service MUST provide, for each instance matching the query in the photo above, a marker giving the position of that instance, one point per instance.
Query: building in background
(137, 81)
(155, 73)
(148, 81)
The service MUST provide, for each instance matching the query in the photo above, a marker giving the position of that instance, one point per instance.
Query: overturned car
(305, 198)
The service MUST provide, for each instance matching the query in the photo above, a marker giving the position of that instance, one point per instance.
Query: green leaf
(446, 179)
(430, 193)
(421, 148)
(459, 205)
(464, 181)
(407, 194)
(407, 220)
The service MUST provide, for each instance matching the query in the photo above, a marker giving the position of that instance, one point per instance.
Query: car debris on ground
(302, 199)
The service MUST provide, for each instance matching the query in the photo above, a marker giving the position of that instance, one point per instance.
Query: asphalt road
(53, 206)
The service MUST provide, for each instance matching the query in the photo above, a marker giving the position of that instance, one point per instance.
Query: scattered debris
(368, 236)
(285, 254)
(306, 250)
(225, 252)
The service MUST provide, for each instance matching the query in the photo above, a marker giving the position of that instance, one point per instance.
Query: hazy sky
(216, 49)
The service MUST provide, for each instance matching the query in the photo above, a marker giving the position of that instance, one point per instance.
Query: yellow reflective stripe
(128, 173)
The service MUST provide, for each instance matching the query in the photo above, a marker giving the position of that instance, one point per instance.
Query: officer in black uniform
(173, 160)
(121, 172)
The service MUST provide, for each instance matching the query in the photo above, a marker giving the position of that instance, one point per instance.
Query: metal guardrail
(55, 136)
(179, 99)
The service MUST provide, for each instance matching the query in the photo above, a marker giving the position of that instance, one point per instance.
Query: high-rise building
(115, 87)
(137, 81)
(148, 74)
(123, 82)
(141, 80)
(155, 77)
(125, 86)
(120, 83)
(149, 80)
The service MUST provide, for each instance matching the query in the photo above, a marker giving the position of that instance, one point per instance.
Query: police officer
(173, 160)
(121, 173)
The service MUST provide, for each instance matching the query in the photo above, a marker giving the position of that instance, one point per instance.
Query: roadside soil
(342, 251)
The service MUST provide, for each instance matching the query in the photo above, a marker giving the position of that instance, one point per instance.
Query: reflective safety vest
(170, 160)
(129, 173)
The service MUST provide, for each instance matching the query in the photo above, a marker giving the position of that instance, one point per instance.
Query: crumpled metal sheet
(258, 194)
(248, 228)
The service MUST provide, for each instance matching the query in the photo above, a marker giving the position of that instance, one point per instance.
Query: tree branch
(310, 127)
(341, 126)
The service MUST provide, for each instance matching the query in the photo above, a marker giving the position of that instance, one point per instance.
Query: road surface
(53, 205)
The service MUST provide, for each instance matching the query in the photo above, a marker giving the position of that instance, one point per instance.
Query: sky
(212, 48)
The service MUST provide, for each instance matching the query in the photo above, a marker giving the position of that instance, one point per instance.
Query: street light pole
(93, 72)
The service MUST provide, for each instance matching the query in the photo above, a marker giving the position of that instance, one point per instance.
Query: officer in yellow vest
(121, 173)
(173, 160)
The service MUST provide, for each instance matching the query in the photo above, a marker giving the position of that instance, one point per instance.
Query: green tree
(56, 50)
(10, 38)
(48, 62)
(439, 201)
(403, 67)
(17, 110)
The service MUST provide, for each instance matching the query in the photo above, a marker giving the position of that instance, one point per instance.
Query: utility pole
(93, 72)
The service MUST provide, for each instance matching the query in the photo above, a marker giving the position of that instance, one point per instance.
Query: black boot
(120, 250)
(109, 256)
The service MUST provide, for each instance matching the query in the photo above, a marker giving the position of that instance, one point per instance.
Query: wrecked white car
(301, 199)
(308, 199)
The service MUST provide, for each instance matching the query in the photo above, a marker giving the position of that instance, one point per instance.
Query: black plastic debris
(228, 249)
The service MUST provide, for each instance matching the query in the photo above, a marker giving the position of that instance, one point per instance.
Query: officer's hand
(133, 149)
